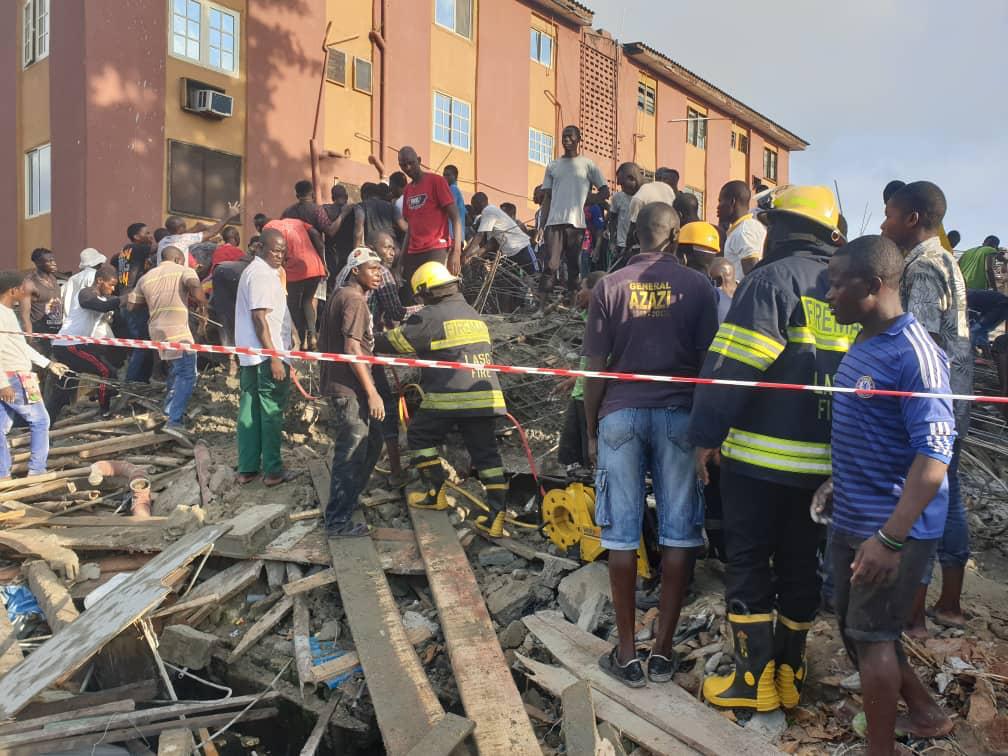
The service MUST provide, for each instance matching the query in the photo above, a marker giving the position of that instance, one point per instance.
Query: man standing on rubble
(358, 408)
(262, 322)
(629, 178)
(774, 446)
(654, 316)
(565, 187)
(932, 289)
(165, 292)
(448, 328)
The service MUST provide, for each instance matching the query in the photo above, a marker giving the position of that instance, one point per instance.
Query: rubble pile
(224, 607)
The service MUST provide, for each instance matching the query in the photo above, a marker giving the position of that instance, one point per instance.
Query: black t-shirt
(347, 315)
(338, 247)
(380, 215)
(225, 288)
(131, 263)
(304, 211)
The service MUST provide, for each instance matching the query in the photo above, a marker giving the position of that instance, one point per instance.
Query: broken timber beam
(404, 701)
(265, 623)
(52, 595)
(10, 650)
(315, 738)
(444, 737)
(482, 675)
(67, 651)
(302, 628)
(348, 662)
(579, 731)
(673, 710)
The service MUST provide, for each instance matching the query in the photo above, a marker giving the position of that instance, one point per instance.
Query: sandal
(244, 478)
(630, 674)
(275, 480)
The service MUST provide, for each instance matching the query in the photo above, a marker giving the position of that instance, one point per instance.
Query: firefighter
(773, 445)
(448, 328)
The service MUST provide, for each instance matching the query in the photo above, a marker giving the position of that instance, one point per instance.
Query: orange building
(131, 110)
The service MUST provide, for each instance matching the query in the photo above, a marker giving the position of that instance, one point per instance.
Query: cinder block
(185, 646)
(252, 530)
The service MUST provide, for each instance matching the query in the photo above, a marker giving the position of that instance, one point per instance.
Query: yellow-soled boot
(492, 522)
(751, 684)
(432, 477)
(789, 658)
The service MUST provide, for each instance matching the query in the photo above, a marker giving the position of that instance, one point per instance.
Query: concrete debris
(186, 646)
(510, 601)
(415, 620)
(513, 635)
(582, 584)
(496, 556)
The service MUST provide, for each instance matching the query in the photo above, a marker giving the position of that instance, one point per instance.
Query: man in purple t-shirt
(657, 317)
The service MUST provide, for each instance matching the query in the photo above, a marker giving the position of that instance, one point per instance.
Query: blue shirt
(460, 203)
(876, 438)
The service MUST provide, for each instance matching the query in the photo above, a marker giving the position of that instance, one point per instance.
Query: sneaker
(630, 674)
(662, 668)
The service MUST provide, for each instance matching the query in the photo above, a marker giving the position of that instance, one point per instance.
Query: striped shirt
(876, 438)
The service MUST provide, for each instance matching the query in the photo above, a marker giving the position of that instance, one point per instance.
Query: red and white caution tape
(512, 369)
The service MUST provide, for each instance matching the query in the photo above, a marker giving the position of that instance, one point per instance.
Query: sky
(884, 89)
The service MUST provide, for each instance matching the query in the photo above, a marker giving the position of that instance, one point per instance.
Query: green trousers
(261, 419)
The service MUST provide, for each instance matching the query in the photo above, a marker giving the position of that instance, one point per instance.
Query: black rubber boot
(433, 477)
(751, 684)
(789, 658)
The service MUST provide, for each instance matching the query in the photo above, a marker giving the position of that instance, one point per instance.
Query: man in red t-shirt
(305, 268)
(229, 251)
(429, 207)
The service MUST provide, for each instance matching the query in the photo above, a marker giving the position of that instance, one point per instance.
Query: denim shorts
(631, 443)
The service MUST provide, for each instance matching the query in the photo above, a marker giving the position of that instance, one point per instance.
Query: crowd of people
(775, 291)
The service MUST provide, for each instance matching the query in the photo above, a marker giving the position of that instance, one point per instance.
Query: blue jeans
(38, 423)
(954, 545)
(141, 361)
(631, 443)
(181, 382)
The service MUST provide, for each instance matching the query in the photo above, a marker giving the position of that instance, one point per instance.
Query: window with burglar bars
(699, 198)
(451, 121)
(646, 98)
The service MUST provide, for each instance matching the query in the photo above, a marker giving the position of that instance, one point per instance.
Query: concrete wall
(453, 73)
(11, 160)
(502, 112)
(283, 54)
(409, 96)
(718, 160)
(348, 111)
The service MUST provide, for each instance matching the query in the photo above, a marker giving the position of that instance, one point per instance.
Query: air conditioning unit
(214, 103)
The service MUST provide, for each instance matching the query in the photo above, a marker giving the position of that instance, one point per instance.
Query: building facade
(131, 110)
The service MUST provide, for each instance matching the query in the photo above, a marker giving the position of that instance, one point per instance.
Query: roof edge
(571, 11)
(662, 65)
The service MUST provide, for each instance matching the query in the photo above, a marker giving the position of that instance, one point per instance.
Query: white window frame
(455, 18)
(541, 146)
(35, 31)
(35, 204)
(767, 152)
(451, 122)
(206, 6)
(696, 122)
(357, 62)
(537, 35)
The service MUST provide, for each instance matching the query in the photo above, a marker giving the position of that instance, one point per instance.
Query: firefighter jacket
(779, 329)
(449, 330)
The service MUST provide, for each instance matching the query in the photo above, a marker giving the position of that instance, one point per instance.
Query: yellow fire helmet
(816, 203)
(430, 275)
(700, 234)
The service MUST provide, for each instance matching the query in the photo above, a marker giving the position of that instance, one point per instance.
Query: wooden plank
(318, 580)
(555, 680)
(52, 595)
(482, 675)
(224, 584)
(445, 736)
(10, 650)
(91, 739)
(609, 736)
(140, 691)
(302, 628)
(189, 605)
(326, 671)
(265, 623)
(405, 704)
(321, 724)
(397, 557)
(36, 723)
(170, 713)
(669, 707)
(67, 651)
(579, 732)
